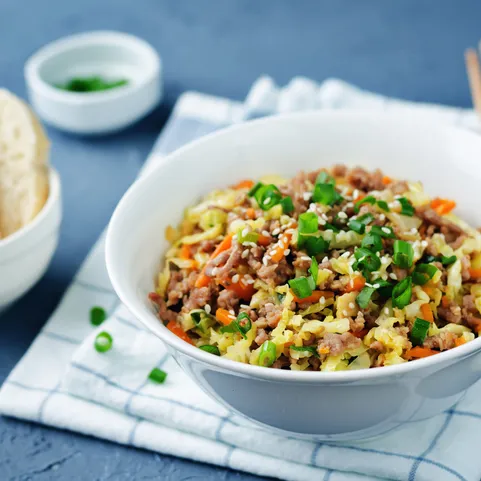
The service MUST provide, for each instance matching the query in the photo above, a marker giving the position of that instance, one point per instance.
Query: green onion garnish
(316, 245)
(423, 273)
(308, 222)
(97, 315)
(385, 232)
(325, 194)
(314, 270)
(287, 205)
(406, 207)
(328, 226)
(307, 228)
(210, 349)
(103, 342)
(366, 200)
(310, 349)
(301, 287)
(267, 196)
(324, 178)
(366, 261)
(419, 331)
(383, 205)
(403, 254)
(241, 324)
(248, 237)
(202, 320)
(401, 294)
(447, 261)
(359, 225)
(254, 189)
(90, 84)
(157, 375)
(364, 297)
(267, 354)
(372, 241)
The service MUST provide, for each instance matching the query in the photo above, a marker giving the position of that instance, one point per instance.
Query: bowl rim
(239, 368)
(72, 42)
(52, 200)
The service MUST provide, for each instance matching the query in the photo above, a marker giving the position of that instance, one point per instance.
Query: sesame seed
(350, 204)
(231, 311)
(250, 244)
(368, 285)
(250, 281)
(245, 231)
(414, 230)
(393, 276)
(305, 258)
(214, 271)
(346, 254)
(342, 215)
(322, 300)
(384, 260)
(378, 254)
(235, 279)
(321, 221)
(290, 231)
(276, 231)
(352, 305)
(207, 308)
(344, 312)
(234, 237)
(245, 253)
(307, 195)
(245, 306)
(386, 230)
(382, 217)
(424, 243)
(324, 216)
(386, 310)
(325, 259)
(264, 261)
(376, 286)
(287, 252)
(266, 200)
(355, 194)
(264, 232)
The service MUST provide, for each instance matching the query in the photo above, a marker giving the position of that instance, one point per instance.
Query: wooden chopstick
(473, 69)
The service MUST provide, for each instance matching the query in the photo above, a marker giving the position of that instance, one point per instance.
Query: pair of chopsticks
(473, 69)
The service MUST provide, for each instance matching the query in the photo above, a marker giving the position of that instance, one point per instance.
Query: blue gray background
(411, 49)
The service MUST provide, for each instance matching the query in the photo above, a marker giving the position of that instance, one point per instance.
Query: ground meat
(302, 261)
(442, 341)
(336, 344)
(254, 258)
(276, 274)
(357, 324)
(451, 314)
(282, 362)
(199, 297)
(180, 284)
(296, 189)
(378, 347)
(251, 313)
(363, 180)
(261, 337)
(448, 228)
(400, 273)
(225, 263)
(339, 170)
(271, 313)
(465, 265)
(470, 313)
(165, 314)
(398, 187)
(228, 299)
(458, 242)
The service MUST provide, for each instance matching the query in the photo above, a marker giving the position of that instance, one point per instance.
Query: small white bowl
(110, 55)
(315, 405)
(26, 254)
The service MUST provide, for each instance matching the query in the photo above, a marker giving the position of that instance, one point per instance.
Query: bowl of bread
(30, 205)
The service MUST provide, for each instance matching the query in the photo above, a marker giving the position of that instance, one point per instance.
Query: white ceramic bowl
(324, 406)
(26, 254)
(111, 55)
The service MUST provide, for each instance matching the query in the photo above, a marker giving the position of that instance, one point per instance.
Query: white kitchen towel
(62, 381)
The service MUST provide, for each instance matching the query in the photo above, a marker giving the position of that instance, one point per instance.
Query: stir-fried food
(334, 269)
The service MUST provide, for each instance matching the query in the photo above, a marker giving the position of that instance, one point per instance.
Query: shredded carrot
(475, 273)
(185, 252)
(250, 213)
(444, 301)
(360, 334)
(427, 313)
(386, 180)
(418, 352)
(244, 184)
(459, 341)
(173, 327)
(442, 206)
(224, 316)
(263, 240)
(429, 290)
(280, 248)
(226, 243)
(355, 284)
(288, 343)
(315, 296)
(154, 297)
(242, 289)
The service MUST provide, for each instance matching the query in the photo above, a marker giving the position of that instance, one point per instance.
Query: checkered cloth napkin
(62, 381)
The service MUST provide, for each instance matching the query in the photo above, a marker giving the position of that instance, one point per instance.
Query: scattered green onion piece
(419, 331)
(423, 273)
(267, 354)
(325, 178)
(90, 84)
(372, 241)
(310, 349)
(280, 297)
(267, 196)
(447, 261)
(383, 205)
(243, 324)
(249, 237)
(157, 375)
(316, 245)
(328, 226)
(401, 294)
(403, 254)
(314, 270)
(385, 231)
(254, 189)
(366, 260)
(325, 194)
(308, 222)
(429, 258)
(366, 200)
(97, 315)
(287, 205)
(103, 342)
(385, 288)
(202, 320)
(359, 225)
(406, 207)
(301, 287)
(210, 349)
(364, 297)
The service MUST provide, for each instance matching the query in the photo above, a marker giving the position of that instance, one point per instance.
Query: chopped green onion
(308, 222)
(447, 261)
(314, 270)
(210, 349)
(325, 194)
(366, 200)
(157, 375)
(401, 294)
(97, 315)
(103, 342)
(248, 237)
(359, 225)
(267, 196)
(310, 349)
(301, 287)
(316, 245)
(241, 324)
(254, 189)
(328, 226)
(406, 207)
(280, 297)
(429, 258)
(372, 241)
(90, 84)
(364, 297)
(383, 205)
(403, 254)
(202, 320)
(287, 205)
(385, 288)
(419, 331)
(267, 354)
(385, 231)
(366, 260)
(324, 178)
(423, 273)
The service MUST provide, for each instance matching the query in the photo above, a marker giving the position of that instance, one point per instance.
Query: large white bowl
(26, 254)
(323, 406)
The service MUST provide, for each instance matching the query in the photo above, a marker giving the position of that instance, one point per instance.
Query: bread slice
(24, 153)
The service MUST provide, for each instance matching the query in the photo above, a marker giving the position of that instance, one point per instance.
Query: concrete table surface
(411, 49)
